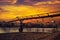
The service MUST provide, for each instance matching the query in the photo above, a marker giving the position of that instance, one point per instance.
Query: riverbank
(29, 36)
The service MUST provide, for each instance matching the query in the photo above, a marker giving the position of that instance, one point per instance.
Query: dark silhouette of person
(21, 26)
(0, 24)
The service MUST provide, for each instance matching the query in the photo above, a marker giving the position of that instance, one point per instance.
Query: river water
(16, 29)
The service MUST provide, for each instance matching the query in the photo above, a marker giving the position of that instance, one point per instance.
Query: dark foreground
(30, 36)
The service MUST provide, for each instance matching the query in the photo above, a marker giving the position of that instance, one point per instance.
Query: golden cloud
(24, 10)
(9, 1)
(47, 2)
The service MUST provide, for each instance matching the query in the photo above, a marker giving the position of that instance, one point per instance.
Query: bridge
(55, 14)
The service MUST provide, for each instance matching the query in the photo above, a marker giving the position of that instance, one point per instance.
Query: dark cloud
(19, 1)
(4, 3)
(31, 2)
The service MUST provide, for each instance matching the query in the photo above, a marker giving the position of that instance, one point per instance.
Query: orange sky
(9, 12)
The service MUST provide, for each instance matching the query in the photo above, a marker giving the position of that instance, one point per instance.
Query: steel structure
(37, 16)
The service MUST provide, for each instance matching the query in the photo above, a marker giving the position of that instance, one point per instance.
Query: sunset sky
(10, 9)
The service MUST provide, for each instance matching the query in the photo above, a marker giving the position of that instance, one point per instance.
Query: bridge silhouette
(55, 14)
(38, 16)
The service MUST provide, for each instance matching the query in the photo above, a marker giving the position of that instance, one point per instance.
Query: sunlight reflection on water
(16, 29)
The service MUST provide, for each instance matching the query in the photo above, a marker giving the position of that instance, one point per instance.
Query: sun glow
(23, 10)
